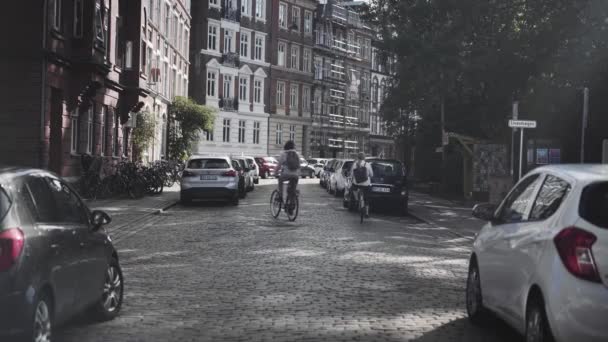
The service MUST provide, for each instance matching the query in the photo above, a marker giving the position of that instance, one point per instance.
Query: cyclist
(362, 173)
(289, 168)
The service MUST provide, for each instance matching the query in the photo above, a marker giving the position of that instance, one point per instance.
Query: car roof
(580, 172)
(8, 173)
(208, 157)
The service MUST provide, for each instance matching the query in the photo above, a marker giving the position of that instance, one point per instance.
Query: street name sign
(522, 123)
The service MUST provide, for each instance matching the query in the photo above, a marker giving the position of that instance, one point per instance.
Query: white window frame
(229, 40)
(306, 98)
(308, 22)
(103, 125)
(242, 131)
(212, 83)
(226, 130)
(75, 134)
(260, 10)
(245, 8)
(307, 61)
(294, 57)
(258, 91)
(292, 132)
(244, 47)
(256, 132)
(279, 134)
(294, 89)
(214, 3)
(296, 20)
(244, 89)
(55, 8)
(280, 94)
(209, 135)
(282, 55)
(215, 35)
(228, 87)
(90, 131)
(261, 55)
(283, 15)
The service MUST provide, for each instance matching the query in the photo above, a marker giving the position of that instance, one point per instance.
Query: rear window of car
(593, 206)
(347, 165)
(208, 164)
(5, 203)
(383, 168)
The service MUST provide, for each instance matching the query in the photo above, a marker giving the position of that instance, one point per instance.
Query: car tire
(42, 319)
(110, 303)
(537, 325)
(256, 181)
(265, 175)
(473, 295)
(185, 200)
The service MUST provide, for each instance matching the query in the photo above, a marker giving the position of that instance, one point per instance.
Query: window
(101, 24)
(244, 89)
(256, 132)
(259, 48)
(307, 22)
(244, 44)
(165, 78)
(280, 94)
(515, 206)
(306, 99)
(375, 90)
(593, 204)
(260, 9)
(157, 17)
(55, 14)
(211, 83)
(293, 100)
(125, 141)
(56, 202)
(295, 52)
(227, 41)
(212, 44)
(295, 18)
(115, 147)
(283, 15)
(281, 55)
(307, 60)
(367, 45)
(550, 197)
(75, 136)
(89, 138)
(142, 66)
(245, 7)
(214, 3)
(173, 84)
(242, 131)
(209, 135)
(226, 131)
(257, 91)
(279, 134)
(227, 86)
(104, 128)
(292, 132)
(78, 17)
(168, 19)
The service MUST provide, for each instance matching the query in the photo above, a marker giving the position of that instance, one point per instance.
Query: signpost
(521, 124)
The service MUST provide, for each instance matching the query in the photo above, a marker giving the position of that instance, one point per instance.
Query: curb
(165, 207)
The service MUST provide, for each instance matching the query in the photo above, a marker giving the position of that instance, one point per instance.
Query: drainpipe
(43, 85)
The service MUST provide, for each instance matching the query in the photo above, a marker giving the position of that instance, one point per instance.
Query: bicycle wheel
(361, 207)
(295, 207)
(275, 204)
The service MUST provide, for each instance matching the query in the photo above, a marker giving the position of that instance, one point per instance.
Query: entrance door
(56, 125)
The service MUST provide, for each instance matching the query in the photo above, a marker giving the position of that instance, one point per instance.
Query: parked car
(210, 178)
(247, 173)
(541, 263)
(318, 165)
(56, 259)
(255, 169)
(338, 179)
(268, 166)
(306, 170)
(388, 185)
(326, 174)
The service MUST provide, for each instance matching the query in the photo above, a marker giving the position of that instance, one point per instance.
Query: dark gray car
(56, 260)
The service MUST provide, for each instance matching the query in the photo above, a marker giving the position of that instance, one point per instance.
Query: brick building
(231, 68)
(381, 143)
(72, 80)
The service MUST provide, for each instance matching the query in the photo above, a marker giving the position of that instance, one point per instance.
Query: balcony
(231, 14)
(231, 59)
(229, 104)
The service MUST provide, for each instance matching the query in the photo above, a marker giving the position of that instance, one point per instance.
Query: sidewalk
(453, 215)
(125, 211)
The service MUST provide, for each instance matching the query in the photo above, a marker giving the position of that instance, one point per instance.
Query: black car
(56, 260)
(306, 170)
(389, 185)
(240, 169)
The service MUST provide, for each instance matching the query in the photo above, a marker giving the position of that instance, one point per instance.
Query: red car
(268, 166)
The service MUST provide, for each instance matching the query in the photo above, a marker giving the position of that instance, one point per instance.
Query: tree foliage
(187, 120)
(144, 132)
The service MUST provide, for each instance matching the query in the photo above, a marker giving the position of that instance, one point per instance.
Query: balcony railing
(231, 59)
(229, 104)
(232, 14)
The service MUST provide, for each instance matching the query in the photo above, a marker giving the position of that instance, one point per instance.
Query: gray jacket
(285, 171)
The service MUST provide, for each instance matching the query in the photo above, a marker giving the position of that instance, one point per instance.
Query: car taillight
(230, 173)
(574, 248)
(11, 246)
(187, 174)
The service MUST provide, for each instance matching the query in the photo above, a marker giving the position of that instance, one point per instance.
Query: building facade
(342, 76)
(381, 143)
(230, 72)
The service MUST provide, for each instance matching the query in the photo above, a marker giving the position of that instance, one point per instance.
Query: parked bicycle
(290, 205)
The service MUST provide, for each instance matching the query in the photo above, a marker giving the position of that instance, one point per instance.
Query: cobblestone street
(214, 272)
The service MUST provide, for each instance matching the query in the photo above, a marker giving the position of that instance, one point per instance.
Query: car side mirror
(99, 218)
(484, 211)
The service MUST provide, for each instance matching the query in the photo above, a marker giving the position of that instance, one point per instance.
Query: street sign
(522, 123)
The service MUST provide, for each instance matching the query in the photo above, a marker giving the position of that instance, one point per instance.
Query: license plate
(208, 177)
(377, 189)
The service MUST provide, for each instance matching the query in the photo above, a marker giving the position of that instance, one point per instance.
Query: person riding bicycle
(362, 173)
(289, 168)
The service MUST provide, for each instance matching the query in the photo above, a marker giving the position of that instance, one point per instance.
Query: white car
(541, 263)
(338, 179)
(255, 169)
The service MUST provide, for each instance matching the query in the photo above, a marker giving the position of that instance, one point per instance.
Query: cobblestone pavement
(213, 272)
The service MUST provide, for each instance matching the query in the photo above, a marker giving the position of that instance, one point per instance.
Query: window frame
(228, 87)
(292, 132)
(214, 3)
(308, 22)
(306, 98)
(212, 90)
(256, 132)
(242, 131)
(280, 94)
(75, 133)
(247, 10)
(294, 57)
(294, 90)
(535, 177)
(261, 56)
(78, 29)
(261, 14)
(226, 130)
(564, 197)
(244, 89)
(296, 19)
(258, 92)
(56, 7)
(307, 61)
(244, 45)
(283, 14)
(279, 134)
(282, 62)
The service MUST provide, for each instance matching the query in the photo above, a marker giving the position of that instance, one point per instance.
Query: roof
(578, 171)
(12, 172)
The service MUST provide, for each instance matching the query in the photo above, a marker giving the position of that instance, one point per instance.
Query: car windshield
(593, 206)
(347, 165)
(5, 203)
(384, 168)
(202, 163)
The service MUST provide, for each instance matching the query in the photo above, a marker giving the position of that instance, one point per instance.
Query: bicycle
(361, 203)
(291, 206)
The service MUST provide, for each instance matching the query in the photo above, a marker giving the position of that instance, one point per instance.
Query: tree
(187, 120)
(143, 133)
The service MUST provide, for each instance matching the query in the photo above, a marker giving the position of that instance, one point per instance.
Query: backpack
(292, 161)
(360, 173)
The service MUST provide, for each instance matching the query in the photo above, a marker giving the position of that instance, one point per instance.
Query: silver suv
(209, 178)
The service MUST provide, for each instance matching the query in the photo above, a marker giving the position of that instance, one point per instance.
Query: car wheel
(474, 298)
(537, 325)
(185, 200)
(256, 181)
(42, 320)
(265, 175)
(109, 304)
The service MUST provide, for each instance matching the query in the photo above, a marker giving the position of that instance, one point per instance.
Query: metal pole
(585, 117)
(515, 115)
(521, 151)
